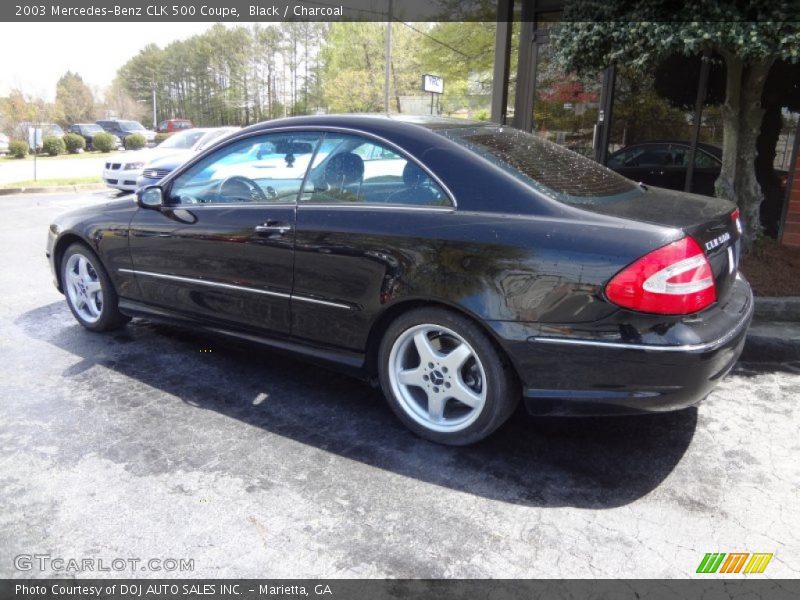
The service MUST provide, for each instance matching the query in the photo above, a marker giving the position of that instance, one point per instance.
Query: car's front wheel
(444, 378)
(90, 295)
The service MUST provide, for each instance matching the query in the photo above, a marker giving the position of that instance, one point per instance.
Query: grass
(51, 182)
(82, 155)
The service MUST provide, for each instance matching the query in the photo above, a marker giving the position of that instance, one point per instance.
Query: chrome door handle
(273, 227)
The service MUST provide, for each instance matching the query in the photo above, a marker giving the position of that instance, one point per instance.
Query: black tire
(496, 374)
(109, 317)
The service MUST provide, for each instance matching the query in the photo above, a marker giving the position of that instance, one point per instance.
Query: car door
(222, 247)
(364, 229)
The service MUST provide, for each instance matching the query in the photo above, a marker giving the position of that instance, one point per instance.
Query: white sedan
(122, 172)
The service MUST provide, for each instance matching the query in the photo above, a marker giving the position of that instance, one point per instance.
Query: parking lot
(155, 443)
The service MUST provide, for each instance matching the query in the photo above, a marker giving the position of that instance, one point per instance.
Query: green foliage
(597, 33)
(74, 143)
(53, 146)
(74, 99)
(228, 75)
(104, 142)
(135, 141)
(18, 148)
(160, 137)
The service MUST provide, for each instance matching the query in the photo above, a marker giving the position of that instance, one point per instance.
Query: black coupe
(460, 265)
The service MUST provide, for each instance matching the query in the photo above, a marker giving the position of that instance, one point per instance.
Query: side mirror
(151, 196)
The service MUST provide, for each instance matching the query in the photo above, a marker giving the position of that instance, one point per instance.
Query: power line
(441, 43)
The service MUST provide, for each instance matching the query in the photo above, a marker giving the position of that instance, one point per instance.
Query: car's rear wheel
(444, 378)
(90, 295)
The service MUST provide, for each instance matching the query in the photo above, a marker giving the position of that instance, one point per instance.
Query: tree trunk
(741, 117)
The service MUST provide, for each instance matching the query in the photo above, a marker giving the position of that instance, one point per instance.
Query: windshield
(211, 136)
(183, 140)
(551, 169)
(130, 125)
(92, 128)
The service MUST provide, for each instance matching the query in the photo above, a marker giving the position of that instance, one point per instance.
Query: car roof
(368, 121)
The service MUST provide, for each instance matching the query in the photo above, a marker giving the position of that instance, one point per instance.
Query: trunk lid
(708, 220)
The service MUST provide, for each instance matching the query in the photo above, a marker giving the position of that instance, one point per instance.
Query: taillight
(675, 279)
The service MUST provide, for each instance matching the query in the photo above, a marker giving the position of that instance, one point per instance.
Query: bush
(53, 145)
(104, 142)
(74, 143)
(160, 137)
(135, 142)
(18, 148)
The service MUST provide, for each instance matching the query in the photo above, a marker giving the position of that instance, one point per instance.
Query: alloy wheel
(437, 378)
(83, 288)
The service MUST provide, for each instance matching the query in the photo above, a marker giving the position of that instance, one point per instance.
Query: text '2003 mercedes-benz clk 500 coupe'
(463, 266)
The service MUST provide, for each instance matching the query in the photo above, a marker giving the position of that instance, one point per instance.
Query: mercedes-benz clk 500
(461, 266)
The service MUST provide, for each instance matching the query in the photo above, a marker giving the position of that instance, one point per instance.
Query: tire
(89, 292)
(457, 388)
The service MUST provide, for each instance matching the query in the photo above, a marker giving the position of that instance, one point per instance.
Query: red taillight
(676, 279)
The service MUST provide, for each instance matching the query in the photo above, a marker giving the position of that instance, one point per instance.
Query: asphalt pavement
(155, 442)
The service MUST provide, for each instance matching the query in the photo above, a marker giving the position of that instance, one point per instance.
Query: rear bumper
(667, 366)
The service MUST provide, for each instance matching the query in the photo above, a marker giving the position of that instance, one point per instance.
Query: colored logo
(734, 562)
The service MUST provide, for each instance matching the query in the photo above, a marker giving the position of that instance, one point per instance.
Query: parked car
(663, 163)
(122, 172)
(497, 266)
(158, 168)
(123, 128)
(88, 130)
(171, 125)
(4, 141)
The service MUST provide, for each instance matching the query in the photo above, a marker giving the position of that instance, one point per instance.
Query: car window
(261, 169)
(353, 169)
(702, 160)
(678, 156)
(183, 140)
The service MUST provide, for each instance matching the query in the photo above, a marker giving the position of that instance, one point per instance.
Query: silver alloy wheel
(83, 287)
(437, 378)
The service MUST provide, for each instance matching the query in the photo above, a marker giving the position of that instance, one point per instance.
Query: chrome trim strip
(323, 302)
(704, 347)
(227, 286)
(239, 288)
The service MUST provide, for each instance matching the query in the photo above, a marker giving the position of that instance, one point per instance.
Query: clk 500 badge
(718, 241)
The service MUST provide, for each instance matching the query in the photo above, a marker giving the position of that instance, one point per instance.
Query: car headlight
(131, 166)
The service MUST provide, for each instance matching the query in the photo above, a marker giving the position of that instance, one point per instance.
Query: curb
(764, 345)
(777, 309)
(53, 189)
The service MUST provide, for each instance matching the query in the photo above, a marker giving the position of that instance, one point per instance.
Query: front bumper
(634, 369)
(121, 179)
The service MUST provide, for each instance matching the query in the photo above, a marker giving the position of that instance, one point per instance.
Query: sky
(36, 55)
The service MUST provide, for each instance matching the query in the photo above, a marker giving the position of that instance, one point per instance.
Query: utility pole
(153, 89)
(388, 71)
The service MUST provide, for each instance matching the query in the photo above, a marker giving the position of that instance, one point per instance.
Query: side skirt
(351, 363)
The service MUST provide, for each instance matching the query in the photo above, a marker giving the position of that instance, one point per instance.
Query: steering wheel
(238, 186)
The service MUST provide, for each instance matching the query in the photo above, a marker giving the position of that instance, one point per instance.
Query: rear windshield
(552, 169)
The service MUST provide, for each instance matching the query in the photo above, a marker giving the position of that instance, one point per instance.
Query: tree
(74, 99)
(749, 37)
